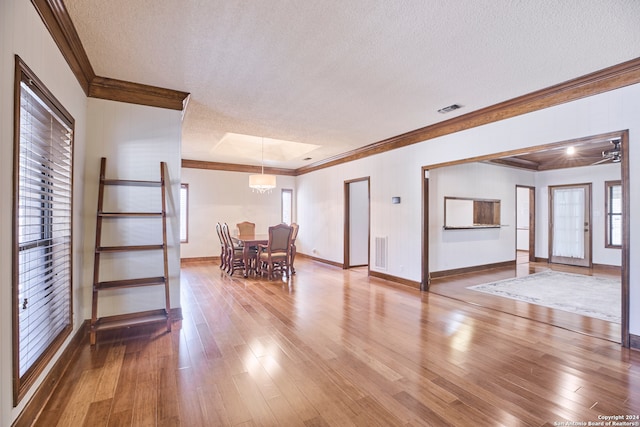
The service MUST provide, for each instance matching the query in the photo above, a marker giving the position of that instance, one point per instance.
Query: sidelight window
(613, 224)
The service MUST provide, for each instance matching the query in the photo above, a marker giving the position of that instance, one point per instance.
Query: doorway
(546, 152)
(570, 236)
(356, 223)
(525, 223)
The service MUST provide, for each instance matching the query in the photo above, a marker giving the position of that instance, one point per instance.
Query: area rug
(586, 295)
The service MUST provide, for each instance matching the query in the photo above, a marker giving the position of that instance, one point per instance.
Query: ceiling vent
(449, 109)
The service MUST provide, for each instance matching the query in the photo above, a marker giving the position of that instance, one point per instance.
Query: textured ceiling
(343, 74)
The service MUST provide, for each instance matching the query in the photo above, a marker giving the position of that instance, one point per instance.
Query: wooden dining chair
(223, 247)
(292, 252)
(246, 228)
(235, 255)
(274, 256)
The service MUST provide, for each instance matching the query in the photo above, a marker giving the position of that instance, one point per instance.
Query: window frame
(186, 212)
(608, 186)
(61, 266)
(282, 208)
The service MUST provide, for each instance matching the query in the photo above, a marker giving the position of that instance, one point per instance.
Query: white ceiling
(338, 74)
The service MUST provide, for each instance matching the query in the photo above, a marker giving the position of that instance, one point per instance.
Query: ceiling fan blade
(606, 159)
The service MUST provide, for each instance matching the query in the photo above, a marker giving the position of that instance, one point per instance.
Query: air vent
(381, 253)
(449, 109)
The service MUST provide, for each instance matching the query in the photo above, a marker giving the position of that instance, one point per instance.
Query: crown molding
(136, 93)
(56, 18)
(615, 77)
(496, 157)
(230, 167)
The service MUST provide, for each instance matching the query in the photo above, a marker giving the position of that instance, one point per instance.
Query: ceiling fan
(613, 155)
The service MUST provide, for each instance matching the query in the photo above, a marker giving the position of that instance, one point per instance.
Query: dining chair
(235, 254)
(274, 256)
(292, 252)
(223, 247)
(246, 228)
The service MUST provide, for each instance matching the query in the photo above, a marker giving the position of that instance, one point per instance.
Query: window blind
(43, 212)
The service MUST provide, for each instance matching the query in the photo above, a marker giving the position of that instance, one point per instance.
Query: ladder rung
(129, 248)
(129, 214)
(115, 322)
(132, 183)
(130, 283)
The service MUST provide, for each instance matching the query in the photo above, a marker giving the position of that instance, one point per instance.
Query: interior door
(570, 224)
(356, 251)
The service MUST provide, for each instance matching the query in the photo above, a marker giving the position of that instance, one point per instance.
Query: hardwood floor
(456, 287)
(335, 347)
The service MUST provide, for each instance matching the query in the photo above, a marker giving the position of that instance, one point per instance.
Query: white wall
(398, 172)
(452, 249)
(596, 175)
(465, 248)
(219, 196)
(321, 210)
(134, 139)
(23, 33)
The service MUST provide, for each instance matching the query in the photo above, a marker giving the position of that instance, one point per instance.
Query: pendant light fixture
(262, 183)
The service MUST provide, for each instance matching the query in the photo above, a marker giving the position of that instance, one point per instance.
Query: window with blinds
(42, 227)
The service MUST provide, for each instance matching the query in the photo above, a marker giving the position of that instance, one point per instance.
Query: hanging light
(260, 182)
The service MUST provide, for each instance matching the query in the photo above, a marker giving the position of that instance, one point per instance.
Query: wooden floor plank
(98, 414)
(333, 347)
(212, 404)
(125, 389)
(110, 373)
(167, 396)
(76, 411)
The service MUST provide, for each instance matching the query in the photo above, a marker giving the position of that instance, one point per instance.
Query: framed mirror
(467, 213)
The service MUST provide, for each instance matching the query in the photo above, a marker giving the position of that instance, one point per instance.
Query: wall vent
(381, 253)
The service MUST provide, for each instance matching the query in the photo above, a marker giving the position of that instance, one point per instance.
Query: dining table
(247, 241)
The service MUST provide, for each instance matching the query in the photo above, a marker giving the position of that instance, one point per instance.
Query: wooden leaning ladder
(137, 318)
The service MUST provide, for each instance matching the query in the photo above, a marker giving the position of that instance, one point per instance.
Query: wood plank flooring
(456, 287)
(337, 348)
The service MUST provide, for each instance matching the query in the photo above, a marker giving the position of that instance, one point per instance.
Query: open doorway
(356, 223)
(525, 224)
(537, 159)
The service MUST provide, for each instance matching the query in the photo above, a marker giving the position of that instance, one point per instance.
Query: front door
(570, 224)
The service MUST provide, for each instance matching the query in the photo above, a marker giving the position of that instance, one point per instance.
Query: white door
(359, 223)
(570, 225)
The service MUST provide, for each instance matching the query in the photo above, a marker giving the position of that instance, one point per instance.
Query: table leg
(245, 260)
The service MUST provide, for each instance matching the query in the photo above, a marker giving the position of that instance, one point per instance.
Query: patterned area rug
(586, 295)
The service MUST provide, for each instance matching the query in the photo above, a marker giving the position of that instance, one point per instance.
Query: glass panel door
(570, 225)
